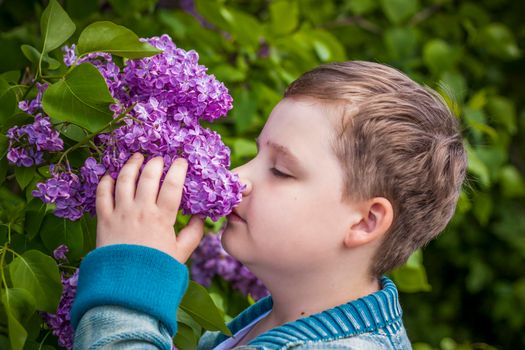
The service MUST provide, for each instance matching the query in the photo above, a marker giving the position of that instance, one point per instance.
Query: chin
(226, 241)
(232, 246)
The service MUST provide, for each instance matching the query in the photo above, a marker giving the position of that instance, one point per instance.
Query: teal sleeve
(131, 276)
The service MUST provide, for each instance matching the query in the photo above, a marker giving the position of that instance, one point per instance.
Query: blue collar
(367, 314)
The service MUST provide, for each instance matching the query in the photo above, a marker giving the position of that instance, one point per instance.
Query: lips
(236, 215)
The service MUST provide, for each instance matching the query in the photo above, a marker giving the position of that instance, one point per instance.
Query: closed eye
(278, 173)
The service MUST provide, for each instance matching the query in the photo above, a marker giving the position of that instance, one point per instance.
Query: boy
(357, 167)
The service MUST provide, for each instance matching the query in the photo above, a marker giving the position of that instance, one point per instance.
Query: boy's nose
(240, 171)
(248, 186)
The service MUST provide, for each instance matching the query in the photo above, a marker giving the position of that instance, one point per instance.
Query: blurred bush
(468, 50)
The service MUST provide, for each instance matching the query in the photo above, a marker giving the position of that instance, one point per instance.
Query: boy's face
(294, 221)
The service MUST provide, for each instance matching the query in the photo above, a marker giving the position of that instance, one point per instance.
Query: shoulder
(366, 341)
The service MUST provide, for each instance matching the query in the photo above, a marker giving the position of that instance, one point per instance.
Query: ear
(374, 219)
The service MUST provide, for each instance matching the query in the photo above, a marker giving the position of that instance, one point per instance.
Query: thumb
(188, 238)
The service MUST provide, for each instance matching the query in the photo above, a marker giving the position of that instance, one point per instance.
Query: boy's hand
(141, 214)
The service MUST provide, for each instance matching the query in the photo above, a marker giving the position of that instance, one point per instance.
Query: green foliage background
(471, 51)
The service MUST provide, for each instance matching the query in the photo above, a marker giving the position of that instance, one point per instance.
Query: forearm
(123, 288)
(115, 327)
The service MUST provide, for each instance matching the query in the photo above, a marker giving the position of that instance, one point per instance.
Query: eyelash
(278, 173)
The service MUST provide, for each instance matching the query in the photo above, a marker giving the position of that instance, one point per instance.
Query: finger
(127, 179)
(188, 238)
(104, 202)
(149, 181)
(171, 191)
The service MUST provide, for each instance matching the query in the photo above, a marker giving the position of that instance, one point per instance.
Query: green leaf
(33, 55)
(183, 317)
(412, 276)
(35, 212)
(477, 121)
(17, 119)
(512, 183)
(243, 148)
(198, 304)
(326, 45)
(81, 9)
(503, 111)
(38, 273)
(477, 167)
(3, 165)
(244, 109)
(211, 11)
(32, 186)
(399, 10)
(4, 141)
(499, 41)
(56, 26)
(82, 97)
(109, 37)
(74, 132)
(483, 207)
(361, 7)
(127, 8)
(24, 175)
(284, 16)
(56, 231)
(19, 305)
(438, 56)
(401, 42)
(479, 275)
(185, 338)
(228, 73)
(7, 101)
(89, 231)
(244, 27)
(12, 76)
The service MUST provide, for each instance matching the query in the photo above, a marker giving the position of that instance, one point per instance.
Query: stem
(90, 136)
(28, 89)
(95, 147)
(15, 254)
(43, 340)
(51, 76)
(39, 68)
(2, 259)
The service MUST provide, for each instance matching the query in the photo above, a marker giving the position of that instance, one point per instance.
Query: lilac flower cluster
(60, 322)
(210, 260)
(28, 142)
(165, 96)
(72, 194)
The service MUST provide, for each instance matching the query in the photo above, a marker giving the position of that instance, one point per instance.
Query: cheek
(286, 217)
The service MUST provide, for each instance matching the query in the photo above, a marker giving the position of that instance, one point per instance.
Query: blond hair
(397, 140)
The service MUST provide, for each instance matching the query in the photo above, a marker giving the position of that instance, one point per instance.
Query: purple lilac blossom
(60, 252)
(31, 107)
(210, 260)
(167, 95)
(27, 143)
(59, 322)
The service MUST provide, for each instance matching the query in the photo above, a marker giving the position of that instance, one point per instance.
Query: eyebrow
(282, 150)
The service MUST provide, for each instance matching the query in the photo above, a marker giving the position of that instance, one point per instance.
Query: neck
(313, 292)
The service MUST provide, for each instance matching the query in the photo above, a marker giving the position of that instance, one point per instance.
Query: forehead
(305, 126)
